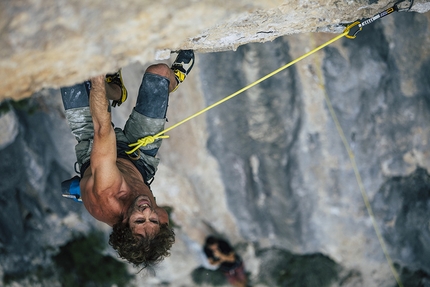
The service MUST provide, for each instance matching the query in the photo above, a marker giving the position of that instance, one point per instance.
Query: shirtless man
(114, 186)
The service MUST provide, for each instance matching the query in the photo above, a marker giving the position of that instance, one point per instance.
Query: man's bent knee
(153, 97)
(164, 71)
(160, 69)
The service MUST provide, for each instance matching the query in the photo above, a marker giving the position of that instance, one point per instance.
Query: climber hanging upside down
(115, 186)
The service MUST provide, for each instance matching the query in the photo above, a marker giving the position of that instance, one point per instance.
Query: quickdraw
(357, 26)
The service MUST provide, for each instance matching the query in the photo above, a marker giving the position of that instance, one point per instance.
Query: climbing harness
(70, 188)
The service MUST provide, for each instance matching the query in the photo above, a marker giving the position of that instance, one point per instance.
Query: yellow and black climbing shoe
(116, 79)
(182, 65)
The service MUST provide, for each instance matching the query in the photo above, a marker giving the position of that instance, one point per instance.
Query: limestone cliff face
(267, 169)
(55, 43)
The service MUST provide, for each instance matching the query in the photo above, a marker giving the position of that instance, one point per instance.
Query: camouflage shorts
(136, 127)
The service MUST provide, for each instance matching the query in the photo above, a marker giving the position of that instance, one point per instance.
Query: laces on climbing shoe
(116, 79)
(354, 28)
(182, 65)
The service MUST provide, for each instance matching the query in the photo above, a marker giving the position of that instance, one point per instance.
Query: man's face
(145, 216)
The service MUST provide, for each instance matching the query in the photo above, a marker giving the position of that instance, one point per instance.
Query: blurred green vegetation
(202, 276)
(38, 276)
(308, 270)
(416, 278)
(282, 268)
(82, 263)
(26, 105)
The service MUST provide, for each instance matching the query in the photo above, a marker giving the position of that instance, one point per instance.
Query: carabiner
(353, 29)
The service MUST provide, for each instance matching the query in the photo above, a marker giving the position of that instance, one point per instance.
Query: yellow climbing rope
(358, 27)
(358, 177)
(150, 139)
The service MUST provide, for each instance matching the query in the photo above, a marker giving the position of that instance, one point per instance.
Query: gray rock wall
(287, 176)
(267, 169)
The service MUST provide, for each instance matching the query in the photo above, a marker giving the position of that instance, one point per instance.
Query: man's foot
(182, 65)
(117, 80)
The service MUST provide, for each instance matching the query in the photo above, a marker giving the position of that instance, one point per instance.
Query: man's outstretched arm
(106, 176)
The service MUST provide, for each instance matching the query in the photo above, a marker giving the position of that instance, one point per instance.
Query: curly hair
(141, 251)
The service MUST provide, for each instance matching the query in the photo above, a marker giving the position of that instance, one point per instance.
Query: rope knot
(144, 142)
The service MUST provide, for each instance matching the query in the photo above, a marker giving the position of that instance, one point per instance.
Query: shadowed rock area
(267, 169)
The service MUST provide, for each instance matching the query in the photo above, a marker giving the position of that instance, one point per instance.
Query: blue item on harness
(70, 188)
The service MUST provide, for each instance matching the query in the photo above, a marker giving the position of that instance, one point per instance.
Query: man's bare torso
(112, 205)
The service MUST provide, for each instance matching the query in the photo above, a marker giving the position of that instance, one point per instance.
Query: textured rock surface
(267, 169)
(56, 43)
(293, 144)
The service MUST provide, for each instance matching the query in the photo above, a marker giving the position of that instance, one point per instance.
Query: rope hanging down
(350, 32)
(359, 180)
